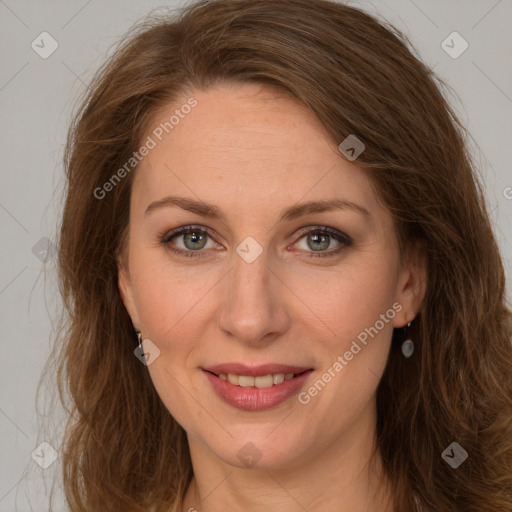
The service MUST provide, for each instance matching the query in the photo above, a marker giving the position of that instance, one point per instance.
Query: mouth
(256, 388)
(260, 382)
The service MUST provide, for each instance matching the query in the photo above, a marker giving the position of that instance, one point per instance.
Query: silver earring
(139, 349)
(408, 346)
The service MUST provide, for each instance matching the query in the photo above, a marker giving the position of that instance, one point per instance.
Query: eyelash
(344, 239)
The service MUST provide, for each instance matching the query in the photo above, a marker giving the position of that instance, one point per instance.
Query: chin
(258, 450)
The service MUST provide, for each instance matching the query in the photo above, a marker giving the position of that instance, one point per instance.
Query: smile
(264, 381)
(264, 389)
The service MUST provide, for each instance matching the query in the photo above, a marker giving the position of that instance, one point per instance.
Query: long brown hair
(358, 76)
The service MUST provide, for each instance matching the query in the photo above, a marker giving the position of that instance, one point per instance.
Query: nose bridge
(253, 306)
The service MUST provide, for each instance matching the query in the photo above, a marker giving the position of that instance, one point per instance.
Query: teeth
(263, 381)
(278, 378)
(233, 379)
(246, 381)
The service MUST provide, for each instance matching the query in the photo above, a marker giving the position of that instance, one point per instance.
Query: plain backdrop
(36, 100)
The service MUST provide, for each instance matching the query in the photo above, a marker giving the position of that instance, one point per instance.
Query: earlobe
(411, 289)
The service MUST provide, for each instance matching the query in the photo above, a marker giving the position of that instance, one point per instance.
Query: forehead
(246, 144)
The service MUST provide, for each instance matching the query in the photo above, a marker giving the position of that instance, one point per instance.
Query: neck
(342, 476)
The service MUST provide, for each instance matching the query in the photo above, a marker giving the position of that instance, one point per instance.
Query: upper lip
(255, 371)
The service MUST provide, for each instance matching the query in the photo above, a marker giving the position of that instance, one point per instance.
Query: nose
(253, 308)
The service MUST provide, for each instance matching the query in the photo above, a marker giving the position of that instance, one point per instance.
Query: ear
(124, 284)
(411, 287)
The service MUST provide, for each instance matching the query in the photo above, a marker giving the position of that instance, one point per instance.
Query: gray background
(36, 99)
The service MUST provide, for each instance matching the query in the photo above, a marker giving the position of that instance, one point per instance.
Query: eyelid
(184, 229)
(341, 237)
(325, 229)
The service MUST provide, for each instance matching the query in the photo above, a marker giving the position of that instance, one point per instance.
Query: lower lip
(256, 399)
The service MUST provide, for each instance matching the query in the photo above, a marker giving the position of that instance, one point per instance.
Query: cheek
(176, 302)
(169, 296)
(346, 300)
(171, 304)
(355, 308)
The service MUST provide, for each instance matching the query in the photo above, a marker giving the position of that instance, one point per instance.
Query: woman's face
(262, 286)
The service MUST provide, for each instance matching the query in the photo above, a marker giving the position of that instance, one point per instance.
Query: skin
(254, 152)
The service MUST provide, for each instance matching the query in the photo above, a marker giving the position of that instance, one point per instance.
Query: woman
(283, 287)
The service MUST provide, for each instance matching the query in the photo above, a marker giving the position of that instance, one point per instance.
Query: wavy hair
(360, 76)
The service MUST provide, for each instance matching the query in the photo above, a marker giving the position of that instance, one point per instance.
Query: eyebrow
(205, 209)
